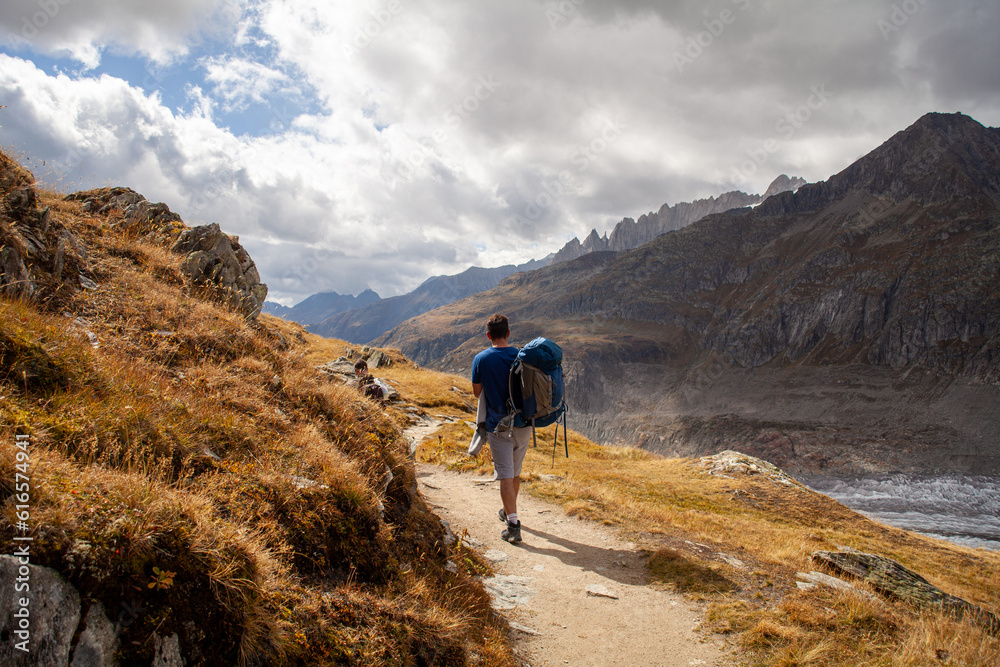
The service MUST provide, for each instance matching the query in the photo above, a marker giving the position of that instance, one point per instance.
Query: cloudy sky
(375, 143)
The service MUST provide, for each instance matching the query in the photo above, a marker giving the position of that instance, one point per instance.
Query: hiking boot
(513, 533)
(502, 515)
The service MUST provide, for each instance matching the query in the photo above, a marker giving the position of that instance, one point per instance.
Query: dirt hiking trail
(574, 592)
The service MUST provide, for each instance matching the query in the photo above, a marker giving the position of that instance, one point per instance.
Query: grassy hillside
(193, 473)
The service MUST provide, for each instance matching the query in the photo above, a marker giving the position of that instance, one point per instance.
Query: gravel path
(574, 591)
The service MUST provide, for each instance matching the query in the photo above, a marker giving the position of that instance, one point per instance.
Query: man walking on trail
(508, 445)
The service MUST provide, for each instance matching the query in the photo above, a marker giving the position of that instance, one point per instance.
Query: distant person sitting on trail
(508, 445)
(366, 381)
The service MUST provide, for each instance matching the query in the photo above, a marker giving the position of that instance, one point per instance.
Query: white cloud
(83, 30)
(240, 81)
(398, 139)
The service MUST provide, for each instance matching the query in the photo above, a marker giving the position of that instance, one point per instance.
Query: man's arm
(477, 389)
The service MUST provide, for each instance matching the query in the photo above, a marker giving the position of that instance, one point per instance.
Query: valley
(851, 326)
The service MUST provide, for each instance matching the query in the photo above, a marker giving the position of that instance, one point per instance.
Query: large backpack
(536, 387)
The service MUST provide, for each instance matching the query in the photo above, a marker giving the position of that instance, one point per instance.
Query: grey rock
(14, 276)
(495, 556)
(53, 615)
(597, 590)
(167, 651)
(524, 629)
(214, 259)
(340, 367)
(98, 642)
(34, 249)
(898, 582)
(378, 359)
(729, 462)
(733, 561)
(508, 591)
(301, 483)
(449, 535)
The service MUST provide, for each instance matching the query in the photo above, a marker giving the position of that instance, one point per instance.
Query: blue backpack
(536, 387)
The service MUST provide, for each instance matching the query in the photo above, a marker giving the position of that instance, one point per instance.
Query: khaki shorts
(508, 449)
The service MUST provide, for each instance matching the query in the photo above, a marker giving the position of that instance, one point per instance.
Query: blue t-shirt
(491, 368)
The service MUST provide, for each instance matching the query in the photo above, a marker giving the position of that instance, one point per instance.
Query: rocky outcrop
(41, 632)
(213, 259)
(217, 260)
(783, 183)
(137, 215)
(900, 583)
(629, 233)
(47, 631)
(37, 254)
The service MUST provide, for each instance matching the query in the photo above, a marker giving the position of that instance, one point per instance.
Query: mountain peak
(937, 157)
(783, 184)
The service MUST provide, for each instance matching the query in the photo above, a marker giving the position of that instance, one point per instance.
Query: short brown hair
(361, 364)
(498, 327)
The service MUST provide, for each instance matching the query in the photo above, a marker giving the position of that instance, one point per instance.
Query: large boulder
(213, 259)
(47, 622)
(218, 260)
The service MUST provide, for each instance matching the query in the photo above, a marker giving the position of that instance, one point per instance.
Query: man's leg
(509, 489)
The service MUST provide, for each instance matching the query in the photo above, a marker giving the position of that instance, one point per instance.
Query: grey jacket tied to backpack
(479, 436)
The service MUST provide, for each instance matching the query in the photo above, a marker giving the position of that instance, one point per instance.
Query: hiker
(508, 444)
(366, 381)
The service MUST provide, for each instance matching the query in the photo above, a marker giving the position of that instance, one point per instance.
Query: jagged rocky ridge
(852, 325)
(629, 233)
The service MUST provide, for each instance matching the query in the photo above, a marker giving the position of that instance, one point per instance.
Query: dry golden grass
(686, 518)
(196, 466)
